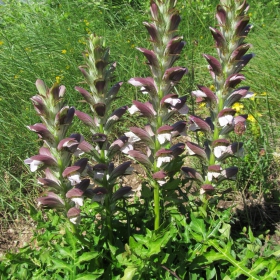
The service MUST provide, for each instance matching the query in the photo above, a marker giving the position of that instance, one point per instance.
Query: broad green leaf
(87, 256)
(65, 251)
(198, 225)
(225, 230)
(211, 273)
(129, 272)
(197, 237)
(70, 238)
(59, 264)
(55, 220)
(213, 256)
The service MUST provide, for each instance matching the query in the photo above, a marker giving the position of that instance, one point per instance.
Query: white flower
(163, 137)
(74, 178)
(133, 109)
(126, 148)
(34, 164)
(132, 138)
(161, 160)
(143, 89)
(75, 220)
(219, 150)
(211, 175)
(225, 120)
(79, 201)
(172, 101)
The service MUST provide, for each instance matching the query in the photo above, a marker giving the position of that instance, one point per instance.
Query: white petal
(75, 220)
(126, 148)
(79, 201)
(199, 93)
(35, 164)
(132, 137)
(211, 175)
(74, 179)
(172, 101)
(133, 109)
(143, 89)
(162, 160)
(219, 150)
(163, 137)
(225, 120)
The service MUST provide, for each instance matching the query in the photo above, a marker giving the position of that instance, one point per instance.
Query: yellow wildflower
(251, 118)
(86, 22)
(202, 105)
(264, 93)
(1, 43)
(16, 76)
(237, 106)
(212, 87)
(63, 51)
(250, 14)
(58, 79)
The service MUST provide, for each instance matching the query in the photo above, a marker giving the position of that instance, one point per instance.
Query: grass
(45, 39)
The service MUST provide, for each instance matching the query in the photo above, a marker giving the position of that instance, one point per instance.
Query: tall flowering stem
(98, 72)
(64, 190)
(229, 37)
(163, 103)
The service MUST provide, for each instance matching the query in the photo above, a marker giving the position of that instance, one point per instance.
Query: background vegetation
(46, 39)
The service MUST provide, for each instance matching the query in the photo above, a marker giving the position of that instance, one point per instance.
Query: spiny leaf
(87, 256)
(59, 264)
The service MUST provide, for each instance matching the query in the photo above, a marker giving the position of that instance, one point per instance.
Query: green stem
(156, 205)
(109, 218)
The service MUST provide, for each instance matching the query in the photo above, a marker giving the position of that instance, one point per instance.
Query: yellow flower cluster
(237, 106)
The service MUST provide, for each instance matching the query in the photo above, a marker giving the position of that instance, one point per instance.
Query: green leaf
(198, 225)
(90, 276)
(225, 230)
(211, 273)
(87, 256)
(70, 238)
(59, 264)
(237, 267)
(173, 185)
(65, 251)
(276, 254)
(35, 214)
(129, 272)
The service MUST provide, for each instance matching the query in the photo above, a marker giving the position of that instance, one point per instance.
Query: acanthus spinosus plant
(163, 103)
(225, 70)
(98, 73)
(56, 155)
